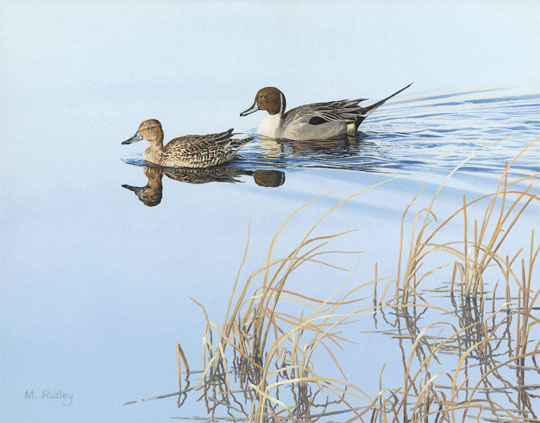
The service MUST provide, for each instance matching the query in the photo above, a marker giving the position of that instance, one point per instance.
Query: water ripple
(410, 135)
(417, 135)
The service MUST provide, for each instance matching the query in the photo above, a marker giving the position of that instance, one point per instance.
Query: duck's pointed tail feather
(366, 111)
(220, 136)
(238, 143)
(244, 141)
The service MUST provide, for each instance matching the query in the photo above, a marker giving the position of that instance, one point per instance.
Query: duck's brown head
(149, 130)
(268, 98)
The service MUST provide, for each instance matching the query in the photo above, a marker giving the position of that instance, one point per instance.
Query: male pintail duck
(312, 121)
(192, 151)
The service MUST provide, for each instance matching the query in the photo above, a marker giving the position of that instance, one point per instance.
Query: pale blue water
(95, 285)
(426, 133)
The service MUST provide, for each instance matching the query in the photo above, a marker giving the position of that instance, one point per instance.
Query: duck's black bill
(134, 138)
(251, 110)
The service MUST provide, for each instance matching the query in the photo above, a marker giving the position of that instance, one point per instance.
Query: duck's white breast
(270, 126)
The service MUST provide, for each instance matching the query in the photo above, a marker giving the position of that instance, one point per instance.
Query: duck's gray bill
(251, 110)
(134, 138)
(136, 190)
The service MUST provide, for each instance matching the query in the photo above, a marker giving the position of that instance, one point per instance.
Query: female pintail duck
(312, 121)
(193, 151)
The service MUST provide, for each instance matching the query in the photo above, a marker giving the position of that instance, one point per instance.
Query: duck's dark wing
(318, 113)
(343, 110)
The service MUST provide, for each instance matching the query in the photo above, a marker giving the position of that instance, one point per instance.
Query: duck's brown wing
(219, 136)
(197, 151)
(190, 144)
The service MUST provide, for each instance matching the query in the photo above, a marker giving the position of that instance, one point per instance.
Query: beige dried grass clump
(270, 351)
(469, 362)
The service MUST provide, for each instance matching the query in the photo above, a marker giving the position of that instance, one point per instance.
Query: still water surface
(455, 126)
(104, 298)
(96, 284)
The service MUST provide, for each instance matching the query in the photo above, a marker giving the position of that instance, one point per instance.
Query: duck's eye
(265, 97)
(147, 128)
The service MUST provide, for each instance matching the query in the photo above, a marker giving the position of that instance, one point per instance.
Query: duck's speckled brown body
(189, 151)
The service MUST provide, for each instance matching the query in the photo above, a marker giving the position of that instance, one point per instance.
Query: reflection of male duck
(275, 148)
(152, 192)
(347, 152)
(269, 178)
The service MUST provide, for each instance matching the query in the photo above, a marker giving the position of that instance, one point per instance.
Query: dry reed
(469, 363)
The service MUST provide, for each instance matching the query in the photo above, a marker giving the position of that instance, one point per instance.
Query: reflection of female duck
(152, 192)
(265, 178)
